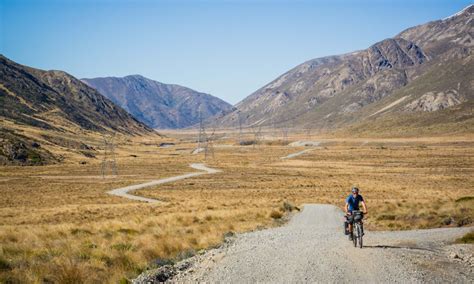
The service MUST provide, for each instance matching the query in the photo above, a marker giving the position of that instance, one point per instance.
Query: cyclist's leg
(350, 220)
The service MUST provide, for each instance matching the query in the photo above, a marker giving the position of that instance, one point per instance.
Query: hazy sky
(226, 48)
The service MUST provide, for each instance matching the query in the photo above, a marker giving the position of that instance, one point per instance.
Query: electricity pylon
(108, 160)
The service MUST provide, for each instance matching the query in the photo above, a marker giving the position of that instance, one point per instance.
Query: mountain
(52, 101)
(57, 100)
(156, 104)
(423, 70)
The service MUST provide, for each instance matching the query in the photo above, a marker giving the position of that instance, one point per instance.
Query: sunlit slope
(55, 104)
(432, 61)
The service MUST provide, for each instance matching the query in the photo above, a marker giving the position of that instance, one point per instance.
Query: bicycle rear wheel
(355, 236)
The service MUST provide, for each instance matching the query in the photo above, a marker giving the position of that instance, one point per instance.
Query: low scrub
(466, 239)
(248, 142)
(276, 214)
(289, 207)
(275, 143)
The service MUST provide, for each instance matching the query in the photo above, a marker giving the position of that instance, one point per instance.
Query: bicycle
(357, 230)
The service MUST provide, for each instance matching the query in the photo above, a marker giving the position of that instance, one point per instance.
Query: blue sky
(226, 48)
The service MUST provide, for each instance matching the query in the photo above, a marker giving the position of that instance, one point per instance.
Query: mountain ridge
(335, 91)
(52, 103)
(157, 104)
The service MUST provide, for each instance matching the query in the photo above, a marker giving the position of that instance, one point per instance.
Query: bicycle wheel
(355, 236)
(359, 234)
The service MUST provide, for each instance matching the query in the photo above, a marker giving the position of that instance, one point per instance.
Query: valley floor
(57, 222)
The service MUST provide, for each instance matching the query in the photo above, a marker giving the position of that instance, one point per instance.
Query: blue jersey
(354, 202)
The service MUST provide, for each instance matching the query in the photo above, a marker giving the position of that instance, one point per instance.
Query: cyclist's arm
(364, 206)
(346, 208)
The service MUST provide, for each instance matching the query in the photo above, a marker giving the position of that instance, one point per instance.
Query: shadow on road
(399, 247)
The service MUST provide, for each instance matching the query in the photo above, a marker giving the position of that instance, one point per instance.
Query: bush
(466, 239)
(386, 217)
(288, 207)
(122, 246)
(247, 142)
(276, 143)
(128, 231)
(276, 214)
(78, 231)
(4, 265)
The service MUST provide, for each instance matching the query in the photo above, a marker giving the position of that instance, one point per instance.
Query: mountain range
(420, 78)
(52, 101)
(158, 105)
(418, 82)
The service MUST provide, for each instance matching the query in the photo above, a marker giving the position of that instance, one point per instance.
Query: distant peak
(137, 76)
(469, 10)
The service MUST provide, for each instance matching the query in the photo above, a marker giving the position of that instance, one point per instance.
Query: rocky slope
(156, 104)
(338, 91)
(51, 101)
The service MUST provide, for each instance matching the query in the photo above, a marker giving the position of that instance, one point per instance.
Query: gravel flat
(311, 247)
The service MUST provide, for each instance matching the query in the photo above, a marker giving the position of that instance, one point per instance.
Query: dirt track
(124, 191)
(312, 248)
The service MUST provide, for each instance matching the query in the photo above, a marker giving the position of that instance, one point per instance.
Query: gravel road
(293, 155)
(311, 247)
(124, 191)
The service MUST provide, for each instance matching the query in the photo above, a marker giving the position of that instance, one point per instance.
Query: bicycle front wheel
(359, 234)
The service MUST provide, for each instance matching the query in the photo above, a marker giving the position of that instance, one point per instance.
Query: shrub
(276, 214)
(128, 231)
(77, 231)
(69, 272)
(4, 265)
(386, 217)
(247, 142)
(466, 239)
(276, 143)
(122, 246)
(186, 254)
(289, 207)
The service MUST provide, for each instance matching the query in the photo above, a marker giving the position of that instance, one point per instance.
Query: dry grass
(58, 225)
(466, 239)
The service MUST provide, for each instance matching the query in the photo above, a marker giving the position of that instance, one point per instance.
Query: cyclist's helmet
(355, 189)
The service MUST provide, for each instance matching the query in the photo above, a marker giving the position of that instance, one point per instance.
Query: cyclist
(352, 203)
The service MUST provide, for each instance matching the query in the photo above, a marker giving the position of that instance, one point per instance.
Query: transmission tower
(285, 133)
(240, 127)
(257, 133)
(108, 161)
(202, 131)
(209, 146)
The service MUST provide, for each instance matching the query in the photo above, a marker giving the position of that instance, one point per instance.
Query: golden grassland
(57, 224)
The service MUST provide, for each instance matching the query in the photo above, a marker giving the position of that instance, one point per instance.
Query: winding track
(296, 154)
(124, 191)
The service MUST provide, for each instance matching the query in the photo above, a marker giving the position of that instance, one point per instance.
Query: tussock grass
(276, 214)
(466, 239)
(57, 224)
